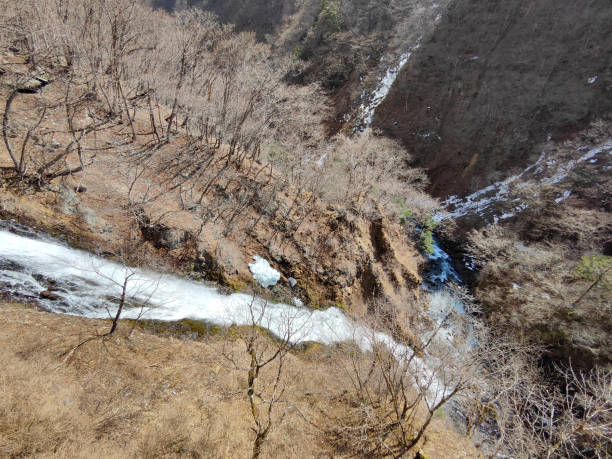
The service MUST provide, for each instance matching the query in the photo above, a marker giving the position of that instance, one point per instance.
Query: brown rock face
(496, 78)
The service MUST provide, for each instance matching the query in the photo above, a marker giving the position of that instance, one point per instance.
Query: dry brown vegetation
(148, 396)
(545, 280)
(527, 411)
(183, 130)
(186, 129)
(546, 274)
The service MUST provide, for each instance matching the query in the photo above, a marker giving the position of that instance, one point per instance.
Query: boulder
(49, 295)
(69, 203)
(32, 85)
(162, 236)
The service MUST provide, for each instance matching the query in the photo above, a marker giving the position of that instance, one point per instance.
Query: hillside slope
(157, 396)
(496, 78)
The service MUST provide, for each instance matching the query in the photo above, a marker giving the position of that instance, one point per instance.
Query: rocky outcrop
(32, 85)
(162, 236)
(496, 78)
(70, 203)
(335, 258)
(49, 295)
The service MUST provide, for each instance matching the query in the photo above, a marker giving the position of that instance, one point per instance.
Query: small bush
(426, 241)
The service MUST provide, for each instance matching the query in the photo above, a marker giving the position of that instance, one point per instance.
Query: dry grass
(149, 396)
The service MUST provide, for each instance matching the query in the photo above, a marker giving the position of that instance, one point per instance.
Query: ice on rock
(546, 170)
(263, 273)
(383, 88)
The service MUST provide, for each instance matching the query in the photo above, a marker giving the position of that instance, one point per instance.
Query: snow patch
(263, 273)
(383, 88)
(546, 170)
(566, 194)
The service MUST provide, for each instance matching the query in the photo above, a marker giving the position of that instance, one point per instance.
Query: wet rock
(206, 262)
(49, 295)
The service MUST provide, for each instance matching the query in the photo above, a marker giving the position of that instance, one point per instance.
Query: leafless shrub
(261, 353)
(523, 411)
(368, 170)
(395, 389)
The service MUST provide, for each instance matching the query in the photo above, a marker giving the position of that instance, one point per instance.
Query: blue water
(440, 269)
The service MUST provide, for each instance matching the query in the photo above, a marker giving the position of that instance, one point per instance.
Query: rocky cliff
(495, 78)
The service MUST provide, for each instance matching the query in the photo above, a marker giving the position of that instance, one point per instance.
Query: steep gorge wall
(343, 45)
(496, 78)
(260, 16)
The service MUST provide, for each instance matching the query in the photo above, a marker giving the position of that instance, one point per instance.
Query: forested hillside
(496, 79)
(324, 228)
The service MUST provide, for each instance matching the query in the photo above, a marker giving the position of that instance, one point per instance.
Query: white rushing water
(366, 110)
(89, 286)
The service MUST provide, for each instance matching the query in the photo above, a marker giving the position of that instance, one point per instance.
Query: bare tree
(517, 408)
(396, 389)
(127, 286)
(130, 289)
(584, 423)
(367, 170)
(262, 360)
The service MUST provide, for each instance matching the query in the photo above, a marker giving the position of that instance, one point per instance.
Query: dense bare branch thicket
(129, 78)
(547, 291)
(81, 49)
(523, 411)
(368, 170)
(546, 273)
(395, 390)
